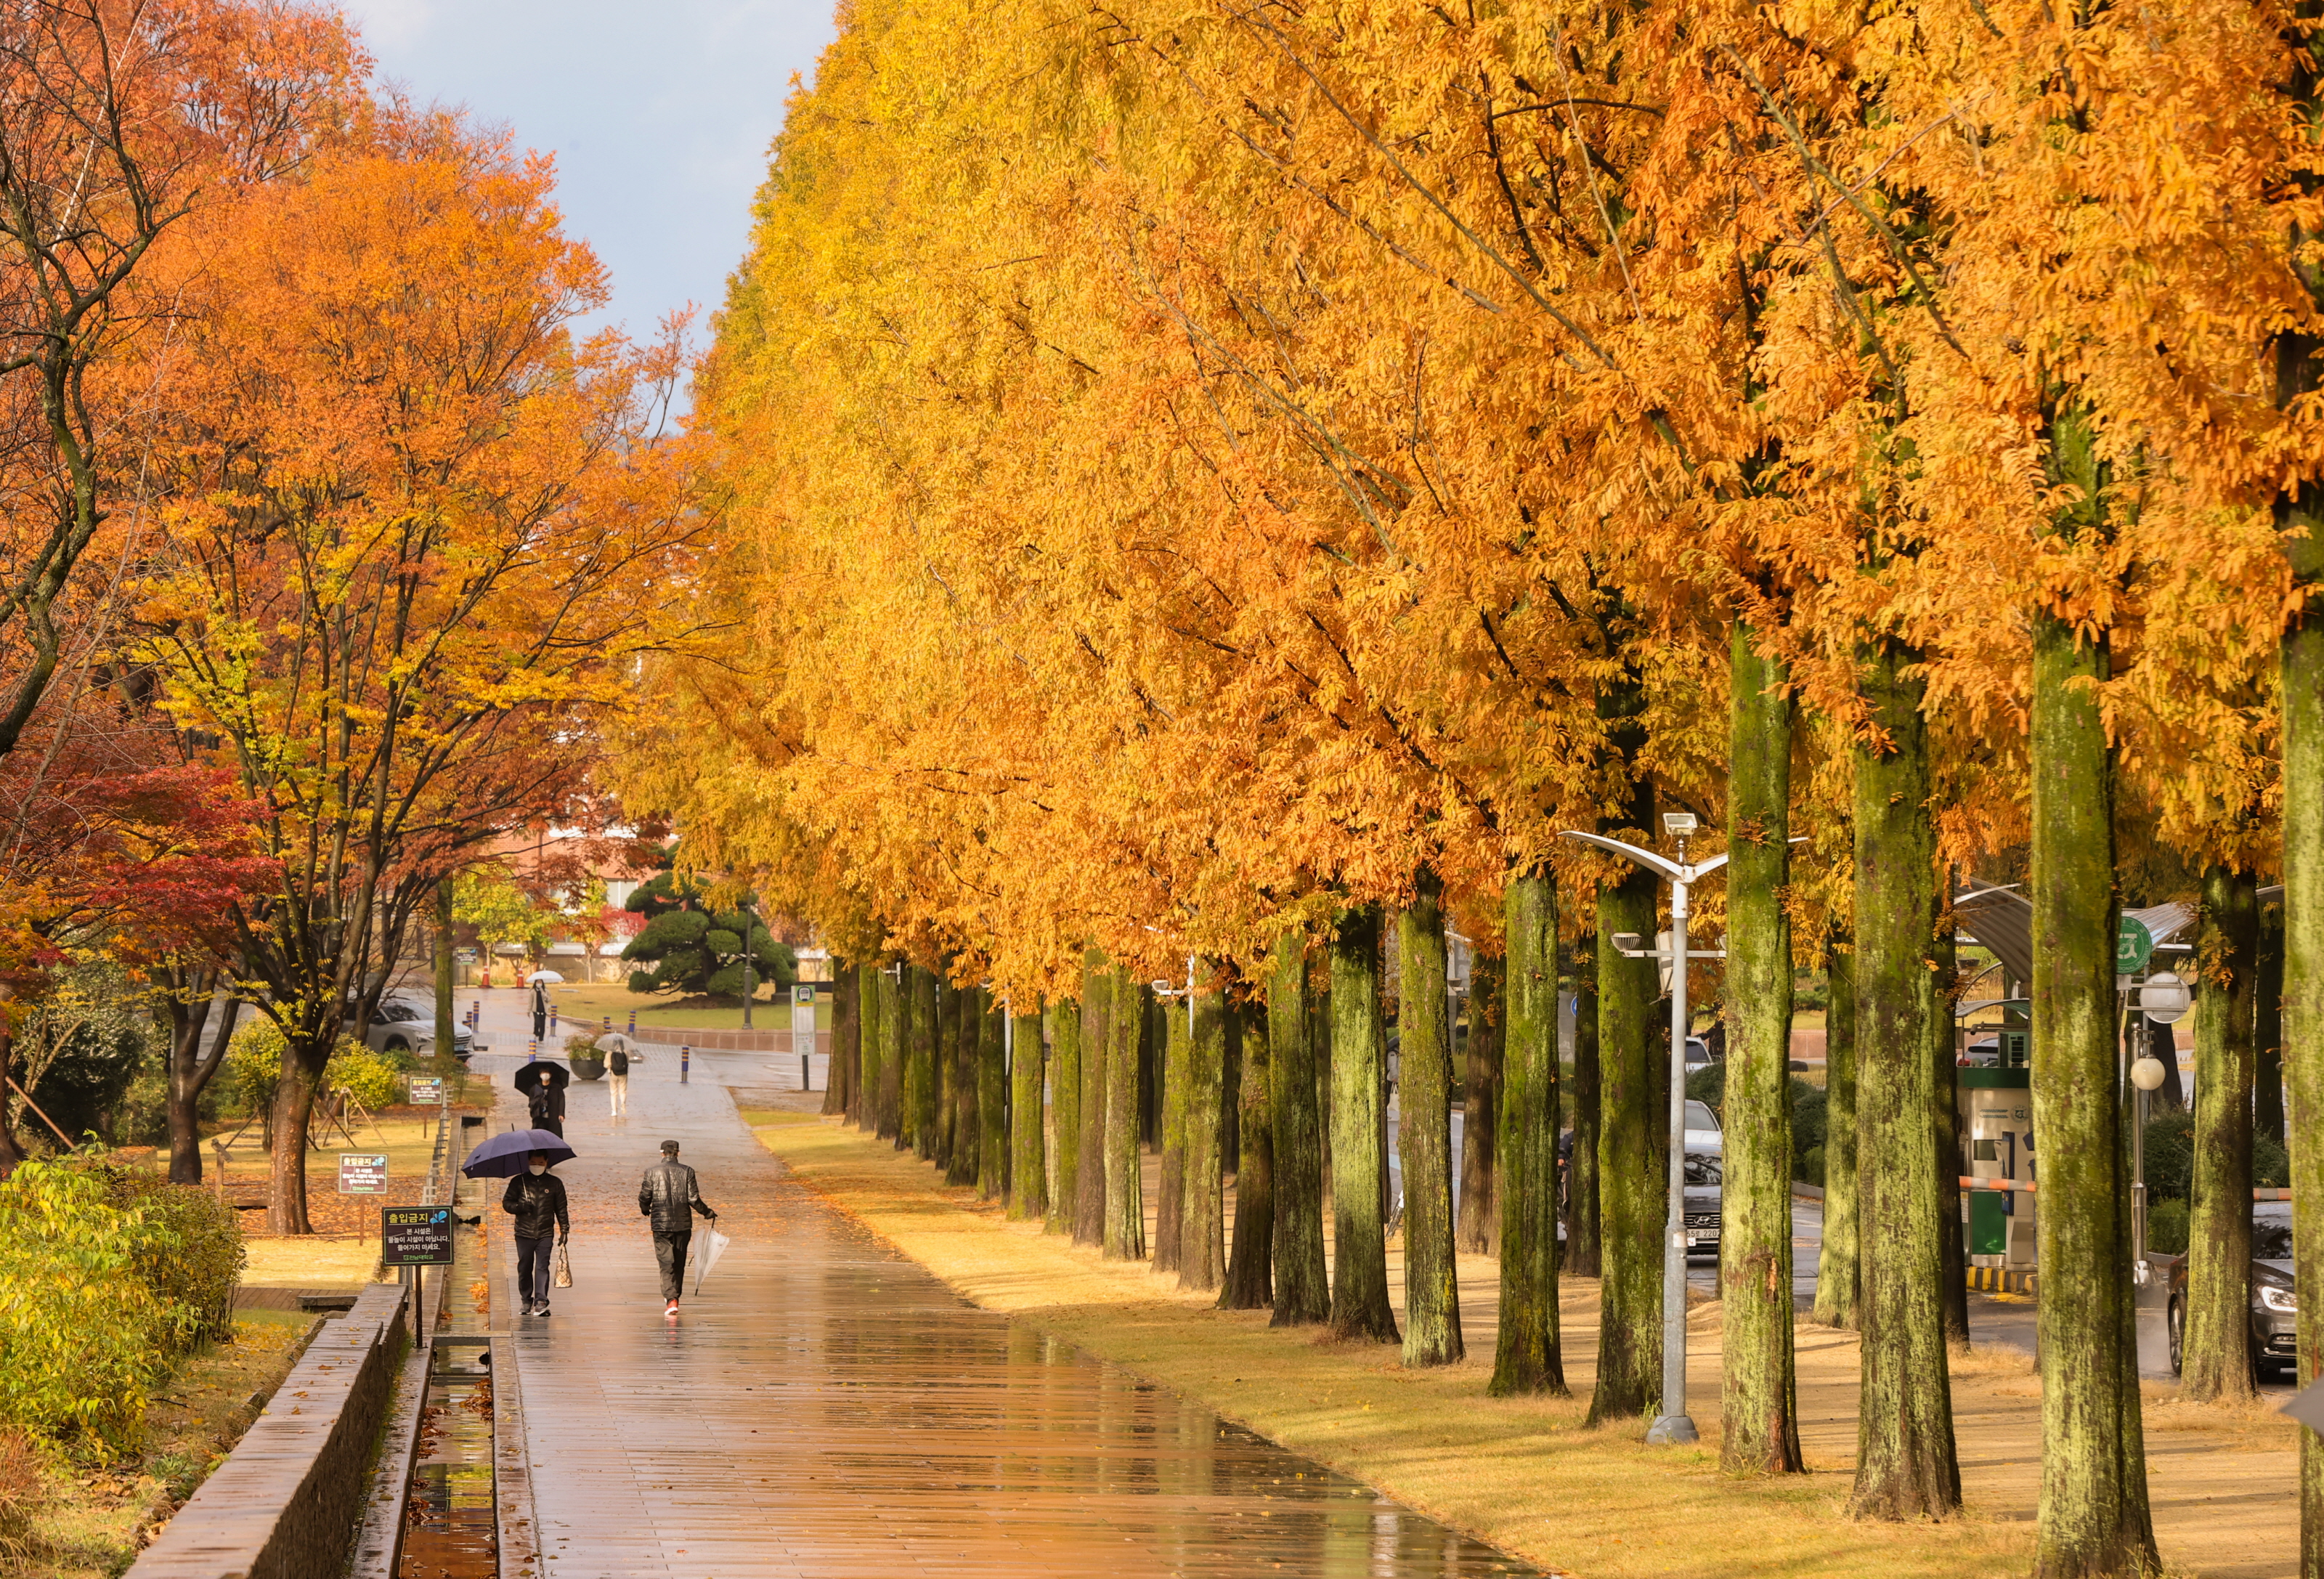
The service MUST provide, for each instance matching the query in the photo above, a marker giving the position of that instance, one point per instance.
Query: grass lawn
(590, 1003)
(93, 1519)
(1527, 1474)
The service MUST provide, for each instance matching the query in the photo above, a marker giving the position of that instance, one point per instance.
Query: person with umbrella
(543, 1084)
(669, 1196)
(535, 1197)
(540, 982)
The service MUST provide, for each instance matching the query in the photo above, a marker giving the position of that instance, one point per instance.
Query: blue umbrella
(504, 1155)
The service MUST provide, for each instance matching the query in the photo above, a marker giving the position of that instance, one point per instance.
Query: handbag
(561, 1268)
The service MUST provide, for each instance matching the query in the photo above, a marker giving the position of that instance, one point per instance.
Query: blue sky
(659, 116)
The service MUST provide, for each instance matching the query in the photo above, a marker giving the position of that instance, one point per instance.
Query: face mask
(537, 1166)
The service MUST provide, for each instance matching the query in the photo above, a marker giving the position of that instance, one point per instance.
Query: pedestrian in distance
(546, 1104)
(617, 1079)
(536, 1199)
(670, 1196)
(540, 1011)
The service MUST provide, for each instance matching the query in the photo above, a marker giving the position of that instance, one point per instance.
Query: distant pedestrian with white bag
(617, 1075)
(670, 1196)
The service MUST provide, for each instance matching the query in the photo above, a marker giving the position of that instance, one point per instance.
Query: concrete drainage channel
(394, 1450)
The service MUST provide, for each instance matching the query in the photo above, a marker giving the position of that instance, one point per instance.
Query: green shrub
(194, 1254)
(2169, 1156)
(254, 1061)
(1808, 1108)
(364, 1075)
(83, 1336)
(2271, 1163)
(2166, 1227)
(1707, 1085)
(1810, 1167)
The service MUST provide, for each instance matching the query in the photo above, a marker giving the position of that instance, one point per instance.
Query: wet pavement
(824, 1407)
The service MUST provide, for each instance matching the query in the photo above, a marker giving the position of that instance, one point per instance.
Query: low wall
(289, 1500)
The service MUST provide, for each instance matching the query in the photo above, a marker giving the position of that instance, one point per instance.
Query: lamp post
(749, 981)
(1672, 1427)
(2163, 999)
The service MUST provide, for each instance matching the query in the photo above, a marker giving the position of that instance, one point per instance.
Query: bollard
(609, 1022)
(685, 1063)
(552, 1019)
(633, 1022)
(532, 1048)
(803, 1085)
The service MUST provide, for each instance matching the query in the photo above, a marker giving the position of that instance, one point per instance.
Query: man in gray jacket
(670, 1196)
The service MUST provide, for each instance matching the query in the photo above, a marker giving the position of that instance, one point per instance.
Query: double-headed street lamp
(1673, 1425)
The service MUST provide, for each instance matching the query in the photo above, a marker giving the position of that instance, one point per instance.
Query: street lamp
(2163, 999)
(1673, 1425)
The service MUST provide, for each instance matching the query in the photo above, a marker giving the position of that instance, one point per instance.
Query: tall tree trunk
(871, 1042)
(1633, 1155)
(1125, 1189)
(924, 1094)
(846, 1038)
(2093, 1518)
(1951, 1158)
(2217, 1337)
(1230, 1098)
(1302, 1292)
(1431, 1287)
(1758, 1406)
(1202, 1220)
(1905, 1464)
(1064, 1113)
(992, 1098)
(2304, 945)
(1153, 1033)
(1359, 1303)
(1170, 1184)
(294, 1105)
(1529, 1356)
(1478, 1230)
(1250, 1281)
(1097, 1059)
(1838, 1273)
(1028, 1160)
(2267, 1028)
(191, 1073)
(447, 1022)
(955, 1018)
(1584, 1237)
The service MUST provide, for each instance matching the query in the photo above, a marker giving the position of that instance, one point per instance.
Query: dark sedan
(1703, 1187)
(2274, 1306)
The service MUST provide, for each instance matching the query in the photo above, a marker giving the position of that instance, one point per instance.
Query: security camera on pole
(1672, 1426)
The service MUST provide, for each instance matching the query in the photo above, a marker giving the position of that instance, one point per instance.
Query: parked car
(1698, 1054)
(1704, 1193)
(1701, 1128)
(2275, 1303)
(401, 1025)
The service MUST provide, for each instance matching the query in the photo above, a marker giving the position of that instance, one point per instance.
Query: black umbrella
(540, 1072)
(504, 1155)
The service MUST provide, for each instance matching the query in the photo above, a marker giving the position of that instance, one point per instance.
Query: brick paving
(826, 1408)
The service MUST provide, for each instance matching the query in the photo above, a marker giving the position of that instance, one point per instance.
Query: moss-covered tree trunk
(1527, 1354)
(962, 1035)
(1170, 1181)
(1477, 1228)
(2217, 1335)
(1303, 1292)
(1359, 1301)
(1583, 1232)
(1064, 1113)
(992, 1176)
(1432, 1286)
(1251, 1267)
(847, 1040)
(1905, 1462)
(1028, 1151)
(1097, 1060)
(2093, 1518)
(1202, 1210)
(1838, 1273)
(926, 1028)
(2267, 1028)
(894, 1117)
(1153, 1032)
(1758, 1408)
(2303, 964)
(947, 1098)
(1125, 1188)
(1231, 1097)
(872, 1005)
(1633, 1154)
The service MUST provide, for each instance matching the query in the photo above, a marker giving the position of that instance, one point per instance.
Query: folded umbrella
(504, 1155)
(542, 1072)
(713, 1245)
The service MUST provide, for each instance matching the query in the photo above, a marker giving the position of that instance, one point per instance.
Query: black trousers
(669, 1250)
(532, 1258)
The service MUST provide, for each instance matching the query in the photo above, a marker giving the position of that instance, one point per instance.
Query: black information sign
(415, 1236)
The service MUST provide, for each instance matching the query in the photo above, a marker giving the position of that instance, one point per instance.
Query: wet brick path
(826, 1408)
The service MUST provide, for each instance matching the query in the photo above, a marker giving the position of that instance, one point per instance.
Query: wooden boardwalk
(826, 1408)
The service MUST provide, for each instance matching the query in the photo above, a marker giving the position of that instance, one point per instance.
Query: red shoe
(670, 1309)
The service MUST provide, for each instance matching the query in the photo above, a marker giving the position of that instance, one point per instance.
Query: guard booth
(1997, 1126)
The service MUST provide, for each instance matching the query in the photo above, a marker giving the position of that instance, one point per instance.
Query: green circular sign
(2134, 945)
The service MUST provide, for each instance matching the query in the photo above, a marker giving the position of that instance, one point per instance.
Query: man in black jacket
(535, 1198)
(670, 1196)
